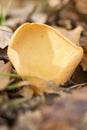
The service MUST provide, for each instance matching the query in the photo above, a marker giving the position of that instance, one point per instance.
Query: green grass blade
(14, 103)
(12, 86)
(8, 7)
(9, 74)
(15, 75)
(1, 15)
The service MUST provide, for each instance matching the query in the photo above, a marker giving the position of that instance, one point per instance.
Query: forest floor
(64, 110)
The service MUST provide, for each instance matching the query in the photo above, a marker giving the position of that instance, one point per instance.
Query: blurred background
(59, 114)
(63, 13)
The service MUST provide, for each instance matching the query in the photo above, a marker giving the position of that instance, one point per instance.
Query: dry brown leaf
(44, 8)
(5, 36)
(72, 35)
(84, 62)
(81, 6)
(26, 92)
(19, 16)
(65, 113)
(39, 17)
(84, 59)
(28, 120)
(4, 80)
(61, 114)
(57, 4)
(57, 125)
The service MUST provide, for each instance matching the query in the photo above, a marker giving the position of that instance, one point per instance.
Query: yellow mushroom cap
(41, 51)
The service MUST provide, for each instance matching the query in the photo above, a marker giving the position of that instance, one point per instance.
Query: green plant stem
(8, 7)
(15, 75)
(12, 86)
(3, 15)
(15, 103)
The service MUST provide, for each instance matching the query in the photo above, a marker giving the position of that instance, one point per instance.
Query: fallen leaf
(72, 35)
(39, 17)
(57, 125)
(65, 113)
(84, 62)
(33, 119)
(4, 80)
(5, 36)
(26, 92)
(84, 59)
(57, 3)
(81, 6)
(19, 16)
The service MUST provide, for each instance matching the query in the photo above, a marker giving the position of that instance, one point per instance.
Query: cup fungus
(40, 51)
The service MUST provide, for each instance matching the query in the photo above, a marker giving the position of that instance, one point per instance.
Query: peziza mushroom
(40, 51)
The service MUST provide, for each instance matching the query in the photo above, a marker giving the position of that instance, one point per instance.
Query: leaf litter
(5, 35)
(4, 81)
(20, 108)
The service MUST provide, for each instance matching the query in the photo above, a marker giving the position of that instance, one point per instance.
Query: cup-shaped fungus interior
(38, 50)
